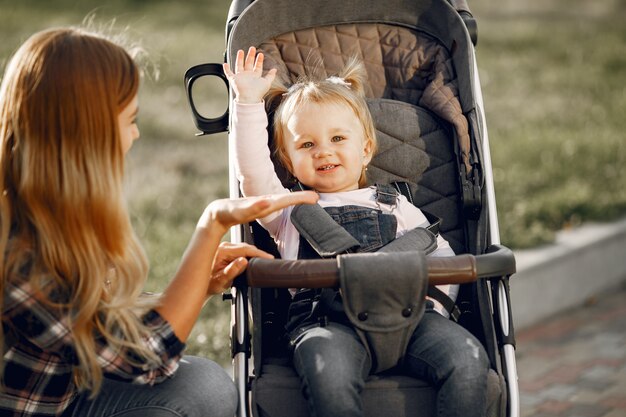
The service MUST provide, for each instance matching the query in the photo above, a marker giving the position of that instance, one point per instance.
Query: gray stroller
(425, 97)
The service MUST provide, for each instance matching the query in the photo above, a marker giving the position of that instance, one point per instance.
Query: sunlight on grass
(555, 95)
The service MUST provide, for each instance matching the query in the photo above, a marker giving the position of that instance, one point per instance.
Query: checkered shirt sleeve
(40, 356)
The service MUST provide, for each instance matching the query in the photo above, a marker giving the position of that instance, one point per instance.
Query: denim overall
(332, 362)
(372, 229)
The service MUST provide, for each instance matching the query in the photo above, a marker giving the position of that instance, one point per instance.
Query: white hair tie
(338, 80)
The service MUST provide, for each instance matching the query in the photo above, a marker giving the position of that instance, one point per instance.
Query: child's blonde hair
(346, 88)
(62, 212)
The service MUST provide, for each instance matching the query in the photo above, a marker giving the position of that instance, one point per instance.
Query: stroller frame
(496, 262)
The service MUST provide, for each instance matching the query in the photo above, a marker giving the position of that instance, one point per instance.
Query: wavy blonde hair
(346, 89)
(61, 172)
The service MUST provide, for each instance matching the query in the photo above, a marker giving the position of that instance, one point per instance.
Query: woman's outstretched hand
(230, 259)
(248, 82)
(225, 213)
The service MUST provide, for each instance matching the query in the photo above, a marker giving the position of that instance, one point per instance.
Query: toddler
(325, 137)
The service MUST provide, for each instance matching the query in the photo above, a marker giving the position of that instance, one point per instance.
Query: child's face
(327, 147)
(127, 122)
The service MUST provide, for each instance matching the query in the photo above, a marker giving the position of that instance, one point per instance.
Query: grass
(553, 78)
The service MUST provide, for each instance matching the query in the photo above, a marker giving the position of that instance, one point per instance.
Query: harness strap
(322, 232)
(324, 235)
(415, 239)
(447, 303)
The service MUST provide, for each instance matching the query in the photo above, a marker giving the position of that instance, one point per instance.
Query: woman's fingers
(298, 197)
(230, 251)
(231, 271)
(266, 205)
(229, 212)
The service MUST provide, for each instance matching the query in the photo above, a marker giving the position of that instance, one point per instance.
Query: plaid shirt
(39, 355)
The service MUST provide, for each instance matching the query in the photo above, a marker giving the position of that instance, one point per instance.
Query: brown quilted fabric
(402, 64)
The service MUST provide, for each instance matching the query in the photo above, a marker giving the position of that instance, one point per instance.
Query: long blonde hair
(61, 172)
(346, 89)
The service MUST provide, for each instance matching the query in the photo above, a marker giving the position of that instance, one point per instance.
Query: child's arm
(253, 165)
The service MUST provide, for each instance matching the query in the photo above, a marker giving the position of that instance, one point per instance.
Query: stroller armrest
(321, 273)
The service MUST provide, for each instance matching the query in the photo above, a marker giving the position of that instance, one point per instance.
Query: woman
(75, 327)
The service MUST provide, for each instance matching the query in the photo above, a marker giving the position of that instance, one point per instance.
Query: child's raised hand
(248, 81)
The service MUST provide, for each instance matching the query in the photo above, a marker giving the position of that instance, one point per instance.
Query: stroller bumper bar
(498, 261)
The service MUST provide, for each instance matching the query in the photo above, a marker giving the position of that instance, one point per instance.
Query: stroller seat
(425, 100)
(277, 393)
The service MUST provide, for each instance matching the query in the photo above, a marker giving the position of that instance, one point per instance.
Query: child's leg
(200, 387)
(453, 360)
(332, 364)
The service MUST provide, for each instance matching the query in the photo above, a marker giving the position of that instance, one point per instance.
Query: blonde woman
(75, 326)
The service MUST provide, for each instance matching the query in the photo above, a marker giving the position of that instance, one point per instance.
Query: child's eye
(307, 145)
(337, 138)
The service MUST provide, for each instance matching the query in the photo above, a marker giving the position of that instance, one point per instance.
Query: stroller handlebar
(322, 273)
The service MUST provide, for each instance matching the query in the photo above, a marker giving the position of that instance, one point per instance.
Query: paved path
(574, 364)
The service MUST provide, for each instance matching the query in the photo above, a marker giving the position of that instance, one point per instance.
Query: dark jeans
(200, 388)
(333, 365)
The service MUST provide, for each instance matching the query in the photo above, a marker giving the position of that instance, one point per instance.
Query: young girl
(75, 329)
(325, 137)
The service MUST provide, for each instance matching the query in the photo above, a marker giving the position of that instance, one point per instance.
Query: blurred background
(553, 75)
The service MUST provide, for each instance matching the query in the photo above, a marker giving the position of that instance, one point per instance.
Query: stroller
(425, 98)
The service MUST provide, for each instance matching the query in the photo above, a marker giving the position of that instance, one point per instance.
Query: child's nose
(322, 151)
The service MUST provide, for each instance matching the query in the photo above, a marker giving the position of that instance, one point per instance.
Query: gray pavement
(573, 364)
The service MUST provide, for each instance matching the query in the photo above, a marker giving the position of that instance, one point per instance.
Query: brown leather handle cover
(279, 273)
(323, 273)
(458, 269)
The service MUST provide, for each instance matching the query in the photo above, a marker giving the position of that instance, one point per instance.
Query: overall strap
(436, 294)
(386, 194)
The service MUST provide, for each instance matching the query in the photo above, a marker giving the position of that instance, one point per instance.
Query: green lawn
(553, 78)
